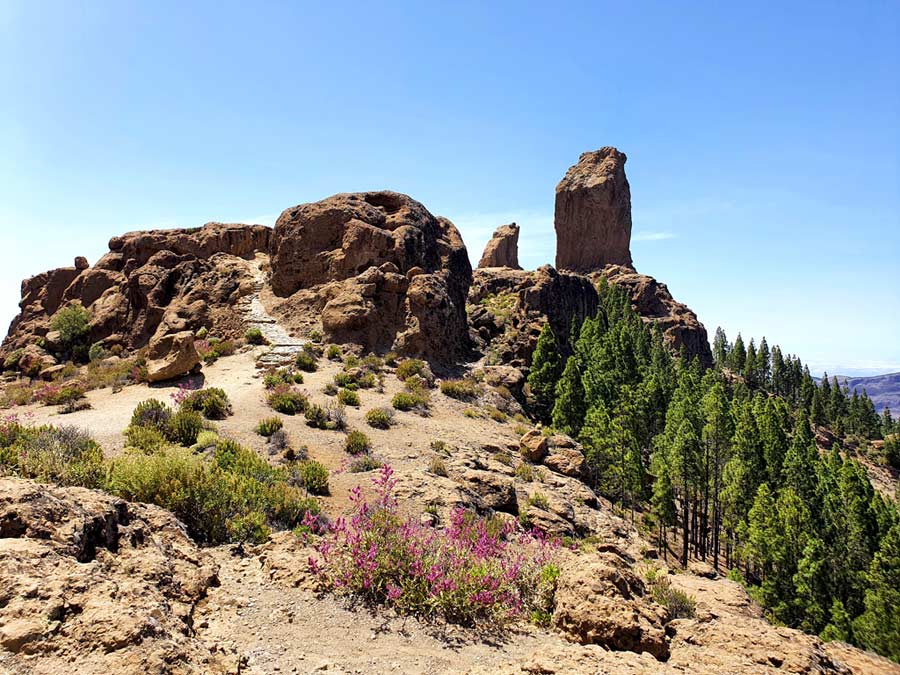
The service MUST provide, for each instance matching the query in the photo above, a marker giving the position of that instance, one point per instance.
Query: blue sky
(762, 138)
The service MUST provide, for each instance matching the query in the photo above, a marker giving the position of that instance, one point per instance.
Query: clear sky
(762, 138)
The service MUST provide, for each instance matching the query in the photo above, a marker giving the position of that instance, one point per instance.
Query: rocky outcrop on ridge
(651, 299)
(593, 213)
(508, 308)
(383, 272)
(503, 248)
(150, 284)
(92, 584)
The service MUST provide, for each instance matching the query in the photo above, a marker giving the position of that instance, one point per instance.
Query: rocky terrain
(91, 583)
(884, 390)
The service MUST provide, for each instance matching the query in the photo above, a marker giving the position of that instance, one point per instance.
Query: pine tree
(546, 369)
(720, 348)
(738, 355)
(570, 408)
(750, 373)
(717, 431)
(878, 627)
(663, 501)
(763, 364)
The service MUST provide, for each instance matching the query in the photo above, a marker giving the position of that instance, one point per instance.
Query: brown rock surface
(653, 301)
(149, 282)
(503, 248)
(599, 600)
(383, 271)
(91, 584)
(508, 308)
(171, 355)
(593, 213)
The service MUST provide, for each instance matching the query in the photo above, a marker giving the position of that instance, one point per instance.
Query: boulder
(170, 356)
(565, 456)
(91, 584)
(81, 263)
(383, 271)
(503, 248)
(34, 359)
(533, 446)
(593, 213)
(599, 600)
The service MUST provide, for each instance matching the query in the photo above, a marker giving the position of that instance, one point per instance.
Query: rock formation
(92, 584)
(593, 213)
(508, 308)
(503, 248)
(150, 284)
(383, 272)
(651, 299)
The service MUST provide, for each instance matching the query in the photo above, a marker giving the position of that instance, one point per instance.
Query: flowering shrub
(181, 394)
(212, 403)
(474, 571)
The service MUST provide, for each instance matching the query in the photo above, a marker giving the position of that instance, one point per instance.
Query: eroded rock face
(599, 600)
(383, 271)
(593, 213)
(92, 584)
(508, 308)
(679, 324)
(503, 248)
(149, 284)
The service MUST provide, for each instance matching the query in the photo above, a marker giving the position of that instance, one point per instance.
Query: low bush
(147, 439)
(410, 400)
(364, 463)
(184, 427)
(496, 414)
(254, 336)
(306, 362)
(285, 399)
(330, 389)
(475, 571)
(525, 472)
(11, 362)
(63, 455)
(679, 603)
(333, 353)
(59, 394)
(437, 467)
(281, 376)
(315, 335)
(316, 416)
(409, 368)
(97, 352)
(463, 390)
(268, 426)
(357, 443)
(151, 413)
(380, 418)
(348, 397)
(212, 403)
(73, 324)
(539, 500)
(314, 477)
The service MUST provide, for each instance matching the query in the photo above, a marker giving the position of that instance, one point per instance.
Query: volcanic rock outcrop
(381, 269)
(503, 248)
(92, 584)
(593, 213)
(150, 284)
(508, 308)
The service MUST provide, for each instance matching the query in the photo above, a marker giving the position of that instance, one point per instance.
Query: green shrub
(254, 336)
(184, 427)
(251, 527)
(202, 333)
(314, 477)
(96, 352)
(440, 447)
(63, 455)
(206, 439)
(281, 376)
(315, 335)
(357, 443)
(147, 439)
(496, 414)
(539, 500)
(151, 413)
(73, 324)
(380, 418)
(409, 368)
(51, 394)
(333, 353)
(364, 463)
(408, 400)
(212, 403)
(316, 416)
(344, 379)
(348, 397)
(306, 362)
(679, 603)
(268, 426)
(525, 472)
(463, 390)
(330, 389)
(287, 400)
(11, 362)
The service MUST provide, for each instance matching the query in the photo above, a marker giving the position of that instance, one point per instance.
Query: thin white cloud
(652, 236)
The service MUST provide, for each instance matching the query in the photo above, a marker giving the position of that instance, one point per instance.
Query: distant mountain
(884, 390)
